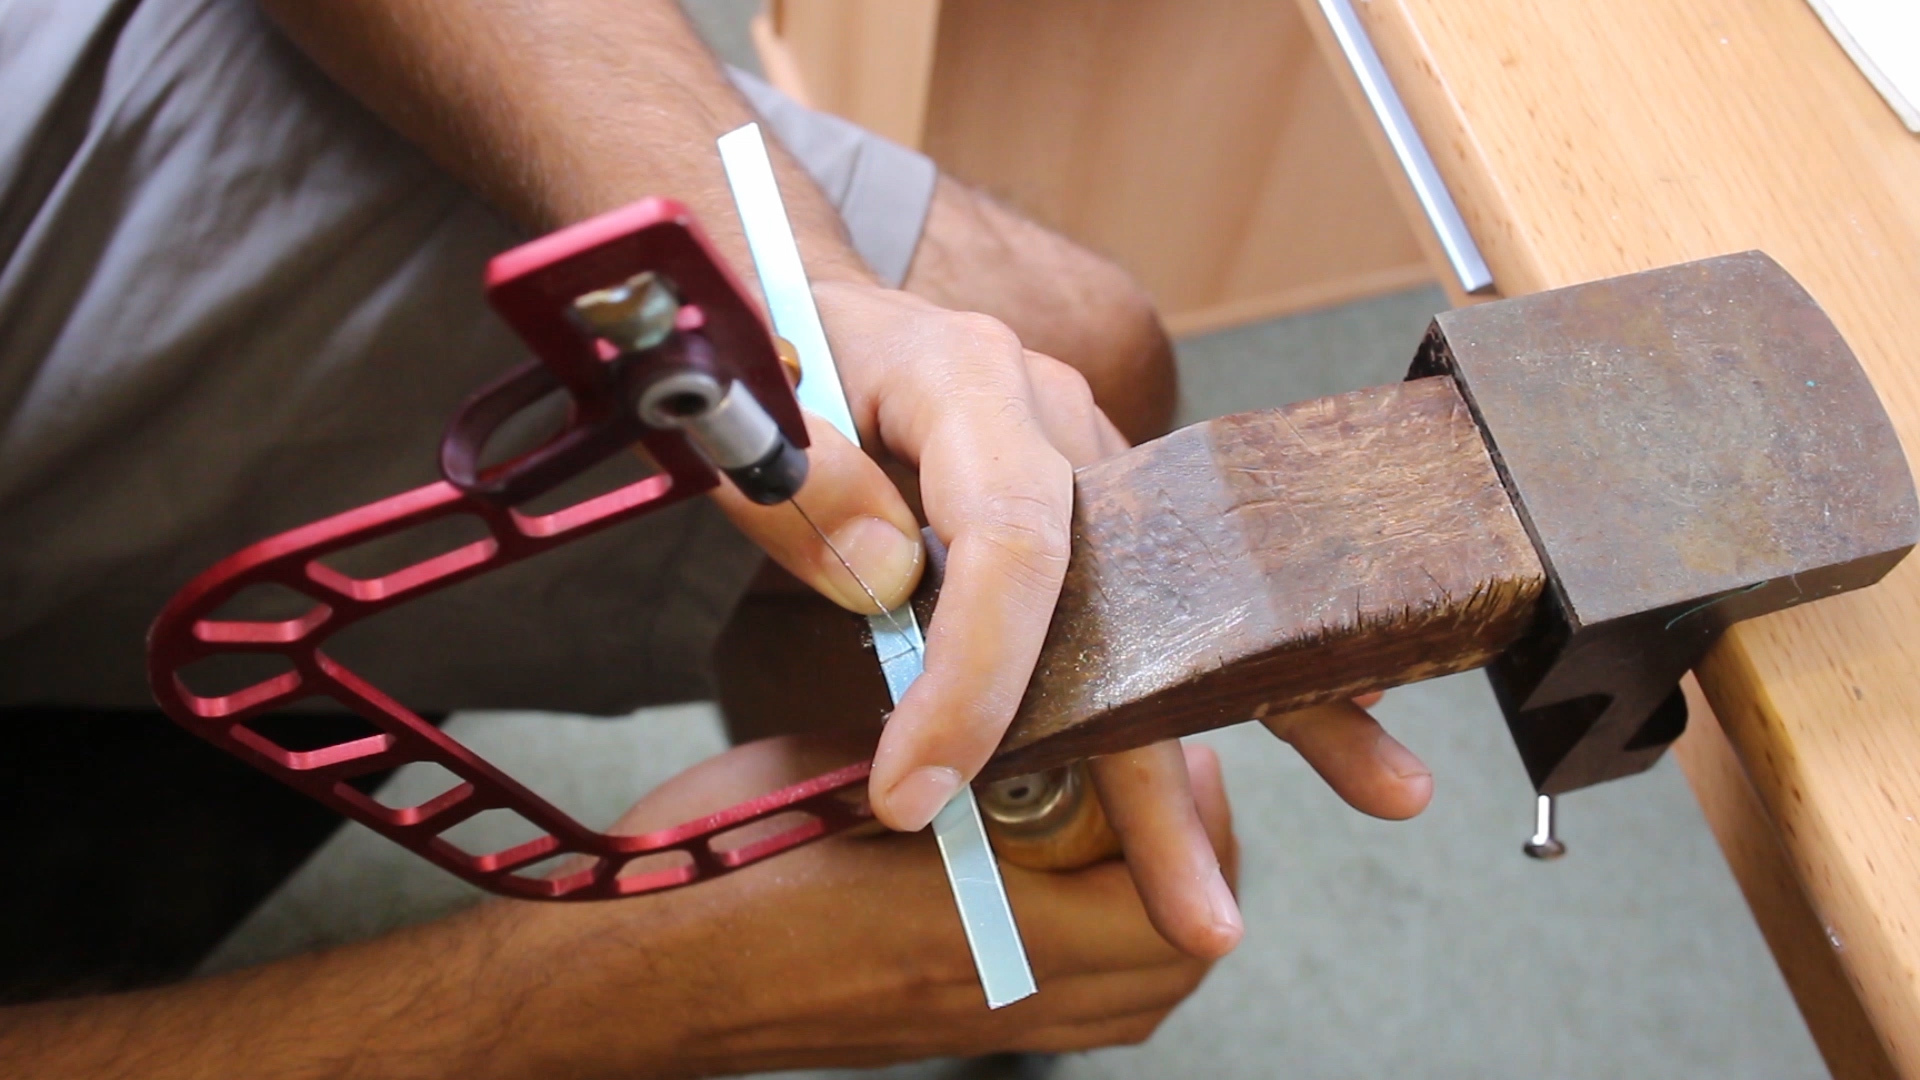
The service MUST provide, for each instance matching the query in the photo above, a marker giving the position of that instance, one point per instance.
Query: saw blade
(974, 876)
(872, 597)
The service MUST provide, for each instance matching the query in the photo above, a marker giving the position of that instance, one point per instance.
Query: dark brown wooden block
(1273, 560)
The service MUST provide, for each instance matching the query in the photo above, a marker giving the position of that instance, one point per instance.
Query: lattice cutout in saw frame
(533, 288)
(405, 559)
(352, 739)
(197, 627)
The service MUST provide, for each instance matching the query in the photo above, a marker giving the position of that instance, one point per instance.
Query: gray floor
(1427, 949)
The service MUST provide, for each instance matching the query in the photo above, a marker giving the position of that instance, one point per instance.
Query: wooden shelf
(1202, 144)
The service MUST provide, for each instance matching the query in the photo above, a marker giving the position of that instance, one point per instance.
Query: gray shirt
(232, 302)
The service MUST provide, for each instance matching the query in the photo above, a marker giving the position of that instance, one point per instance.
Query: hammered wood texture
(1272, 560)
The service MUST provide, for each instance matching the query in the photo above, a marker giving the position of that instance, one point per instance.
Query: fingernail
(920, 794)
(1397, 759)
(1225, 913)
(885, 558)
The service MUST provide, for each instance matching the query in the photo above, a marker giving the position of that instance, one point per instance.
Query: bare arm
(411, 1004)
(557, 110)
(845, 954)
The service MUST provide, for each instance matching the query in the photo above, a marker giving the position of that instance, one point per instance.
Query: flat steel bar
(1431, 191)
(974, 876)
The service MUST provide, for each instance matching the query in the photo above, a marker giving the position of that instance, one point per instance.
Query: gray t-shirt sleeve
(882, 189)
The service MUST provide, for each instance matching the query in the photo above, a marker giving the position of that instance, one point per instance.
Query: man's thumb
(859, 513)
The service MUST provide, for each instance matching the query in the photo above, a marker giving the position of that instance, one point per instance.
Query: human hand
(842, 953)
(995, 431)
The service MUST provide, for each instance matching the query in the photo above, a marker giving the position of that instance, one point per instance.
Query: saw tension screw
(635, 315)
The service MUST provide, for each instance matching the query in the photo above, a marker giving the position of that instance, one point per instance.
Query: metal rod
(1448, 226)
(985, 914)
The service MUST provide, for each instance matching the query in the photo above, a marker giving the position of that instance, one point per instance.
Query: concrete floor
(1429, 948)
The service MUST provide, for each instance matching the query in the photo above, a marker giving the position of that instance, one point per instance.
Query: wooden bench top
(1588, 140)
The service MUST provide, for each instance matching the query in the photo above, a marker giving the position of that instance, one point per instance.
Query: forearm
(556, 110)
(436, 1000)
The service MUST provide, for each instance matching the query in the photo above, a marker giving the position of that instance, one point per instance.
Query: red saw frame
(530, 287)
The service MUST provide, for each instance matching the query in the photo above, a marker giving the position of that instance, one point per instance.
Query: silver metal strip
(998, 954)
(1432, 191)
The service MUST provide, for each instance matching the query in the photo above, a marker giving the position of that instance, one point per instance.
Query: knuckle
(983, 332)
(1013, 410)
(1031, 533)
(1050, 370)
(1059, 382)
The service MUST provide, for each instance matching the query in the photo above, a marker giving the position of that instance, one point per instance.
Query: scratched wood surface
(1587, 140)
(1272, 560)
(1247, 565)
(1833, 1010)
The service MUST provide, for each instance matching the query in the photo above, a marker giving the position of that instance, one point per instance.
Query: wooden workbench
(1587, 140)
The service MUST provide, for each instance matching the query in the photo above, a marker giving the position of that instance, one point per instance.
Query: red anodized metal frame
(531, 288)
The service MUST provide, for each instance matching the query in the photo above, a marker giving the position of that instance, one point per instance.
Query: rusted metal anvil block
(1686, 447)
(1579, 489)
